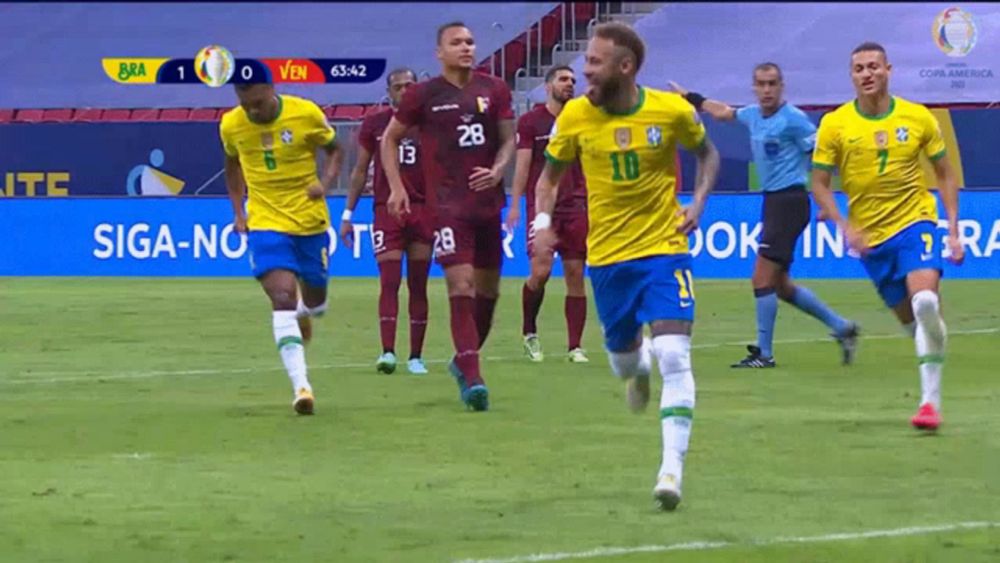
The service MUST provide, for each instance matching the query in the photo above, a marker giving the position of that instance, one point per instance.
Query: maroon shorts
(571, 236)
(390, 234)
(468, 240)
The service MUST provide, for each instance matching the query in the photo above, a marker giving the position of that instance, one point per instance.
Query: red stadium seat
(6, 115)
(515, 54)
(116, 115)
(175, 114)
(87, 114)
(144, 114)
(28, 116)
(550, 31)
(348, 113)
(328, 111)
(57, 115)
(584, 11)
(204, 114)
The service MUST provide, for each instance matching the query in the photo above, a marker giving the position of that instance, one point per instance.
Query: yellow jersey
(278, 160)
(879, 161)
(629, 161)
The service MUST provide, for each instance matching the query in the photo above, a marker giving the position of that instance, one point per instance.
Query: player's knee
(674, 353)
(925, 303)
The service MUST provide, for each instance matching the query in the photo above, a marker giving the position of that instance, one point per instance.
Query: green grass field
(150, 420)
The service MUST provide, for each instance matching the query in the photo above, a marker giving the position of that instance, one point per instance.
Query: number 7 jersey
(879, 161)
(629, 162)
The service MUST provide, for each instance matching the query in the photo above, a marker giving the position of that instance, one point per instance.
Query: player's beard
(605, 92)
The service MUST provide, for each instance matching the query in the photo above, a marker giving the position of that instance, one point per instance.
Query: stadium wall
(181, 236)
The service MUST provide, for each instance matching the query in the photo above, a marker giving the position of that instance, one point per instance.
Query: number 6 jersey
(459, 130)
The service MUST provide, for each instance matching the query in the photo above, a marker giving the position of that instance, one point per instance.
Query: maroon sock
(484, 316)
(389, 274)
(416, 281)
(531, 303)
(465, 337)
(576, 316)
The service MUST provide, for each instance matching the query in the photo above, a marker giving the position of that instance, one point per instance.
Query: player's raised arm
(718, 110)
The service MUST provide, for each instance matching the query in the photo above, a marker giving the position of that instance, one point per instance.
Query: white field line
(706, 545)
(98, 376)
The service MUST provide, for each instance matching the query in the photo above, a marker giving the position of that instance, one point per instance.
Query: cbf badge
(654, 136)
(902, 134)
(623, 137)
(882, 139)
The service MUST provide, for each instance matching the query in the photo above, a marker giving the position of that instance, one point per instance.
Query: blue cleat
(416, 366)
(477, 397)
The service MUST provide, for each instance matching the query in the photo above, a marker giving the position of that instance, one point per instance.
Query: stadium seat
(87, 114)
(550, 30)
(116, 115)
(348, 112)
(204, 114)
(175, 114)
(328, 111)
(584, 11)
(144, 114)
(6, 115)
(28, 116)
(515, 54)
(57, 115)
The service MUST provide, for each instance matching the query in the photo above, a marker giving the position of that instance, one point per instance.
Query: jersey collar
(281, 105)
(633, 109)
(892, 106)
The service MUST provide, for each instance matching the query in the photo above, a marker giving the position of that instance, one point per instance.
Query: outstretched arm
(718, 110)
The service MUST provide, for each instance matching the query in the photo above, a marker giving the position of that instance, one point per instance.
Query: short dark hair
(399, 70)
(448, 26)
(869, 46)
(551, 74)
(244, 86)
(623, 36)
(769, 66)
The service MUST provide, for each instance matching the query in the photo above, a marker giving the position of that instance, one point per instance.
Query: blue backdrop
(192, 237)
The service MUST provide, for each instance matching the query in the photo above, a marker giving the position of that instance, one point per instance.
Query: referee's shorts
(784, 215)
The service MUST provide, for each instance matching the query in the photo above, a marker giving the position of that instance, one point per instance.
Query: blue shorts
(306, 255)
(917, 247)
(637, 292)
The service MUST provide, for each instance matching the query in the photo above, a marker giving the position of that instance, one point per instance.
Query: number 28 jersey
(459, 131)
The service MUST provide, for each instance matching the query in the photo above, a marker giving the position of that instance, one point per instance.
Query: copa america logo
(214, 65)
(954, 32)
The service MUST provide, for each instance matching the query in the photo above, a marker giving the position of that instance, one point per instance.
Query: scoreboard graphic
(215, 66)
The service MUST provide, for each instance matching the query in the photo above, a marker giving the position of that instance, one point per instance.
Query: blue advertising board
(179, 236)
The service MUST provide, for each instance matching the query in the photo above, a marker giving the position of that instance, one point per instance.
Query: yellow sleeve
(932, 141)
(688, 127)
(826, 152)
(563, 145)
(320, 133)
(228, 143)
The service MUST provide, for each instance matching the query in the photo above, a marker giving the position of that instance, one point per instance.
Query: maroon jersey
(459, 130)
(370, 136)
(533, 129)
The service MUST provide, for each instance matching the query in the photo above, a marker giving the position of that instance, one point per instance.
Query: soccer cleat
(533, 348)
(416, 366)
(848, 341)
(637, 393)
(304, 401)
(754, 360)
(927, 418)
(577, 356)
(667, 492)
(476, 397)
(386, 363)
(306, 328)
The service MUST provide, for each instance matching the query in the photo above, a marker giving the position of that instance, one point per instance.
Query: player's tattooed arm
(237, 190)
(718, 110)
(948, 187)
(399, 202)
(708, 171)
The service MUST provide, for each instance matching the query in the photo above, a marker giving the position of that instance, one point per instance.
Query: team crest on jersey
(267, 140)
(467, 118)
(286, 136)
(882, 139)
(902, 134)
(623, 137)
(654, 135)
(483, 103)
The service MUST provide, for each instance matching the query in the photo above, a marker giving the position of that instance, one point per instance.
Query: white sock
(673, 351)
(630, 364)
(930, 339)
(289, 339)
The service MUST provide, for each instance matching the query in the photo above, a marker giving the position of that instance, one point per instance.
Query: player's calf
(930, 339)
(677, 400)
(634, 368)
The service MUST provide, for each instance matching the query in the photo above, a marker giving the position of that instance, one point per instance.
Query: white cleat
(304, 401)
(533, 348)
(667, 492)
(577, 356)
(637, 393)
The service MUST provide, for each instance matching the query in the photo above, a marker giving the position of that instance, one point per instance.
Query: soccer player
(270, 141)
(781, 140)
(570, 219)
(626, 137)
(390, 237)
(467, 138)
(876, 141)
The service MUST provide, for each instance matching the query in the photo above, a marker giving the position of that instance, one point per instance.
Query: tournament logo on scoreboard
(214, 65)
